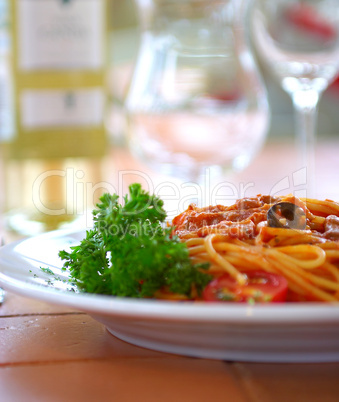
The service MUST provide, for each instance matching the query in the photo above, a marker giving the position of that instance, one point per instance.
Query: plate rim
(94, 304)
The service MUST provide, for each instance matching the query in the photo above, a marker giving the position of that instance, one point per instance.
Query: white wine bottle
(59, 59)
(6, 87)
(58, 64)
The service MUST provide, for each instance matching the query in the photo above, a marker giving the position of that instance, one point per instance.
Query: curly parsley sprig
(129, 252)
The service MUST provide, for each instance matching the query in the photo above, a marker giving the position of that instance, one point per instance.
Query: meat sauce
(244, 219)
(239, 220)
(331, 227)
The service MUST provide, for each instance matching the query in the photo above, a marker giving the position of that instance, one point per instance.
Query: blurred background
(124, 39)
(124, 47)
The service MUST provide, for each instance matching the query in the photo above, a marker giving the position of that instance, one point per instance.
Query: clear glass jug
(196, 99)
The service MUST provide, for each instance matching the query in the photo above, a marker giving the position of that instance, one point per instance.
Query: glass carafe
(196, 99)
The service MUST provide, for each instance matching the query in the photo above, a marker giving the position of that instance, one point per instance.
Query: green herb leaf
(129, 253)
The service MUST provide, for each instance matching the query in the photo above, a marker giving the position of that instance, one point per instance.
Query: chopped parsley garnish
(129, 252)
(47, 270)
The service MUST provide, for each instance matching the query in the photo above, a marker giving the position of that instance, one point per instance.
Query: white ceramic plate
(297, 332)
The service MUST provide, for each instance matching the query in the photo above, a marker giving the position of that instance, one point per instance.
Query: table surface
(51, 353)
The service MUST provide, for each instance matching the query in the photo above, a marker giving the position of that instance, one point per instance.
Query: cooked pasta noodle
(238, 238)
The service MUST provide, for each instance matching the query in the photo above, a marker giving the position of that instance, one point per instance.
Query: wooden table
(51, 353)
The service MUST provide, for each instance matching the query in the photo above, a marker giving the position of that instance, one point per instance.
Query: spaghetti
(237, 239)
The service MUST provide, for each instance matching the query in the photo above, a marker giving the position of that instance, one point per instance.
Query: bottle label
(60, 34)
(6, 104)
(41, 109)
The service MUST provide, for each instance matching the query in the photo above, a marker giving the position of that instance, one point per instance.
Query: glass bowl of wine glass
(196, 99)
(298, 41)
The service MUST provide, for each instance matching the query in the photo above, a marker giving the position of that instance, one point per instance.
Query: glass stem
(306, 109)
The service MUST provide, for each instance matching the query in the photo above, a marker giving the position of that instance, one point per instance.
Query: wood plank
(123, 380)
(290, 382)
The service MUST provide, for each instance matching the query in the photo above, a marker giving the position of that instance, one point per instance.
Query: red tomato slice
(261, 287)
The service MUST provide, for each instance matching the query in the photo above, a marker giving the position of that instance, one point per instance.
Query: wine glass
(299, 42)
(196, 100)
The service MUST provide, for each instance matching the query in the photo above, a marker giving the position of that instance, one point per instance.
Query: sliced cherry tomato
(261, 287)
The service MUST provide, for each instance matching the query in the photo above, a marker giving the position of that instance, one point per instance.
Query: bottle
(6, 87)
(59, 51)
